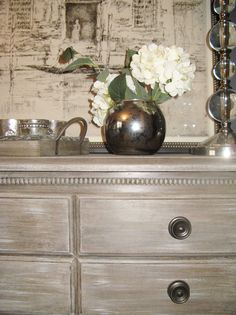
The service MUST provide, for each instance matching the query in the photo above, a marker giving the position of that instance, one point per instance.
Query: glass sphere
(218, 103)
(229, 8)
(224, 69)
(216, 36)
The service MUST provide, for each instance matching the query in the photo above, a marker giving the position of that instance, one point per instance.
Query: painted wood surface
(89, 235)
(35, 225)
(212, 288)
(140, 226)
(32, 287)
(105, 163)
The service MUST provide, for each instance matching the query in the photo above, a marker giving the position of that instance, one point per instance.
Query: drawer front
(142, 289)
(35, 225)
(145, 226)
(36, 288)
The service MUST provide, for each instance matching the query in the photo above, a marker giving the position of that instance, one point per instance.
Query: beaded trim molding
(167, 147)
(115, 181)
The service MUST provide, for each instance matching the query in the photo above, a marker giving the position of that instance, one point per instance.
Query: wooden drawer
(34, 287)
(35, 225)
(120, 226)
(141, 288)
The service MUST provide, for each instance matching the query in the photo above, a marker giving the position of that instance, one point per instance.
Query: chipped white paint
(89, 235)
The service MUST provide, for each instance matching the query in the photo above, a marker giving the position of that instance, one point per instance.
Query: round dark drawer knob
(179, 291)
(180, 228)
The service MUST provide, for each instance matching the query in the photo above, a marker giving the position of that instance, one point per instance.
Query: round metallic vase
(134, 127)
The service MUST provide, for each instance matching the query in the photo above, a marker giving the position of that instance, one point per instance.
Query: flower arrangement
(153, 73)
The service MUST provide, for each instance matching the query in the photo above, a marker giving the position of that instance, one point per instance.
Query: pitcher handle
(83, 130)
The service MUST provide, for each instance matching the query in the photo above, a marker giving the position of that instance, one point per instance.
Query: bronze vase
(134, 127)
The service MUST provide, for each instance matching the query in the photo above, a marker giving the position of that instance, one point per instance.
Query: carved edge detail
(114, 181)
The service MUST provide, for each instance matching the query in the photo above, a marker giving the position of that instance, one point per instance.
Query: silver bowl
(34, 127)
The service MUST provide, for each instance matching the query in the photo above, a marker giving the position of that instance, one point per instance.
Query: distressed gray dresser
(103, 234)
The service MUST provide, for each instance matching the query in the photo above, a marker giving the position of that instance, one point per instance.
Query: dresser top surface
(118, 163)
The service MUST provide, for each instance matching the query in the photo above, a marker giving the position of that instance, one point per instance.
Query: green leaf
(156, 92)
(140, 90)
(103, 75)
(158, 96)
(149, 107)
(130, 95)
(128, 56)
(80, 62)
(117, 88)
(126, 71)
(163, 98)
(67, 55)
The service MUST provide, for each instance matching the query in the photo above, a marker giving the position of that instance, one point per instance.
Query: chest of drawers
(113, 235)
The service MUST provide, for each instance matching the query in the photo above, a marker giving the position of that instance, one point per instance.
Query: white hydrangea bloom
(102, 101)
(170, 67)
(100, 105)
(99, 87)
(148, 64)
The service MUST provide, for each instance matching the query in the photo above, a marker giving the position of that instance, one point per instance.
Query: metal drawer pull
(180, 228)
(179, 291)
